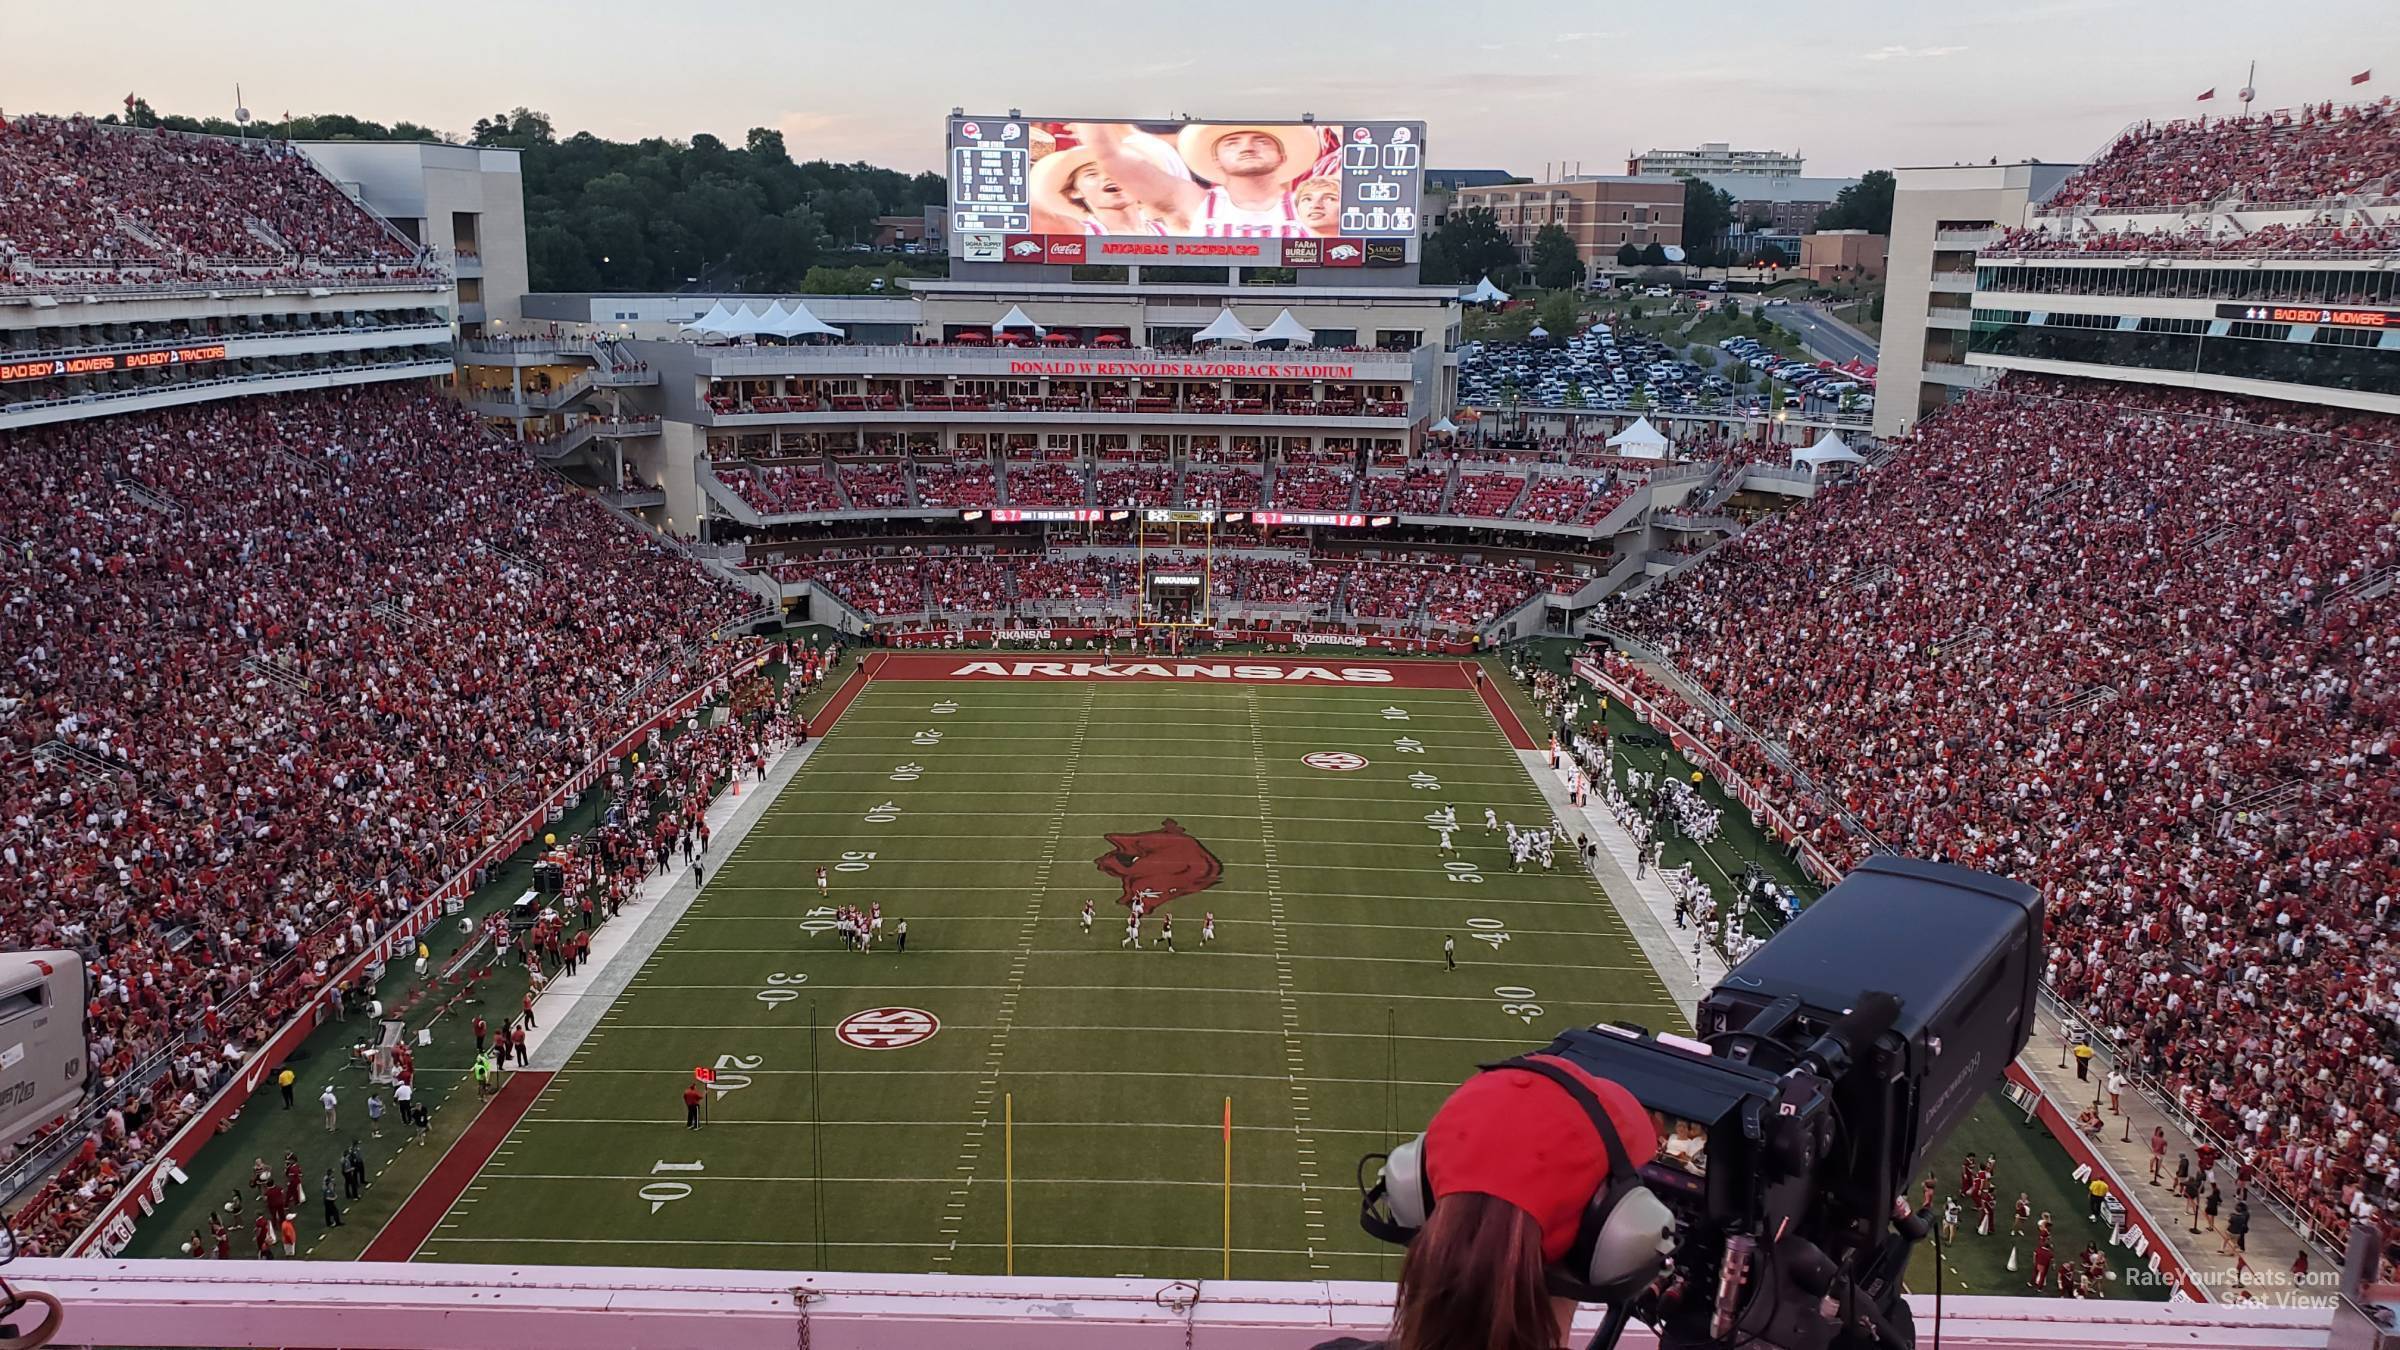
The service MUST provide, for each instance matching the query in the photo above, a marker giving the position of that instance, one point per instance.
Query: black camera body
(1789, 1130)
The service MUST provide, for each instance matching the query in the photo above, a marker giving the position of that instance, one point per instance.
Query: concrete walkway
(570, 1006)
(1687, 966)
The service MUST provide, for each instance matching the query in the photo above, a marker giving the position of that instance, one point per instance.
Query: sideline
(549, 1045)
(414, 1222)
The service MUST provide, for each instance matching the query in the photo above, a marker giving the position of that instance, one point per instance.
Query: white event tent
(1640, 441)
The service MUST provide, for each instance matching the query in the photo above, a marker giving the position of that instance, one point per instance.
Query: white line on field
(972, 1145)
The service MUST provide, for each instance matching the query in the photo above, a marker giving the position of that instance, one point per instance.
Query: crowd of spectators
(76, 193)
(783, 489)
(1046, 485)
(1486, 494)
(1416, 591)
(2115, 641)
(2315, 153)
(956, 486)
(1573, 499)
(2325, 234)
(873, 485)
(1315, 488)
(277, 667)
(1228, 488)
(1417, 492)
(1135, 485)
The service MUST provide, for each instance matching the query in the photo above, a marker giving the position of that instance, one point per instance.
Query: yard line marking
(997, 1047)
(1283, 964)
(1121, 1125)
(1212, 1183)
(887, 1245)
(1080, 1073)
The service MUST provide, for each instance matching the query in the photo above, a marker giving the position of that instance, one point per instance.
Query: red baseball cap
(1517, 1136)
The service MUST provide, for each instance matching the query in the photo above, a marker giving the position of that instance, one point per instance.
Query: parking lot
(1602, 367)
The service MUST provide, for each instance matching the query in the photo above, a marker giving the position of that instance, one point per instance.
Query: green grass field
(1323, 1010)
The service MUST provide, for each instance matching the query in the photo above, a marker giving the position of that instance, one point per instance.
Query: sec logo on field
(1338, 761)
(886, 1028)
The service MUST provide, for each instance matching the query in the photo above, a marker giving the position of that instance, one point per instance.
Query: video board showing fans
(1269, 194)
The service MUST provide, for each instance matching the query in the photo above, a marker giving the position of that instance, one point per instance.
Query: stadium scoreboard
(1289, 194)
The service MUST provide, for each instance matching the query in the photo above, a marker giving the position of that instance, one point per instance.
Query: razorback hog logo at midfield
(1159, 865)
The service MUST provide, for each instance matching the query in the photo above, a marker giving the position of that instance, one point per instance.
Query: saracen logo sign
(1159, 865)
(1162, 670)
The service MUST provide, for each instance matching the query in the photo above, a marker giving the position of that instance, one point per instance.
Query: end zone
(1334, 674)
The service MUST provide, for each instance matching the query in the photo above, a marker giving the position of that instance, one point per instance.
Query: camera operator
(1512, 1162)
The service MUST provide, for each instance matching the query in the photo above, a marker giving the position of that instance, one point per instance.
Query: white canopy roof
(797, 321)
(717, 320)
(1015, 318)
(1225, 328)
(1484, 293)
(1830, 449)
(1287, 329)
(748, 321)
(1538, 331)
(1445, 426)
(1640, 441)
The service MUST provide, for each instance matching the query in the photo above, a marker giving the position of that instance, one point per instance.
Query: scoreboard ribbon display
(2316, 315)
(61, 367)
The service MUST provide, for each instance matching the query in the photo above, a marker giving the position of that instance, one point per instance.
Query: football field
(870, 1109)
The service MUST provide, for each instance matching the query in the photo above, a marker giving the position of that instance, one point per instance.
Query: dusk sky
(1856, 85)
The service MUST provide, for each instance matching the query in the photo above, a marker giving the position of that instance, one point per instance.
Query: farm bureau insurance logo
(1159, 865)
(1177, 670)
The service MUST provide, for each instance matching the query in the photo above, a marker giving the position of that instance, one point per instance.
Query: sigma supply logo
(1024, 248)
(1066, 248)
(1344, 253)
(1156, 866)
(1178, 670)
(1303, 252)
(1386, 253)
(979, 247)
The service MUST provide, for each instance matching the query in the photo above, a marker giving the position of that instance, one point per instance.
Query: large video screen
(1291, 194)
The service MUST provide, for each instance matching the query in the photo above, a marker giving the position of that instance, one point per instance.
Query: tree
(1654, 255)
(1557, 312)
(849, 213)
(1707, 214)
(519, 128)
(1468, 245)
(1742, 373)
(1628, 256)
(776, 251)
(654, 214)
(1864, 205)
(1574, 394)
(1556, 265)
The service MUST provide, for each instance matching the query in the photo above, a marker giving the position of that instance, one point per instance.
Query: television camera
(1789, 1127)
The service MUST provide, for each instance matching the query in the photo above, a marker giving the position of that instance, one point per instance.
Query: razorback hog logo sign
(1159, 865)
